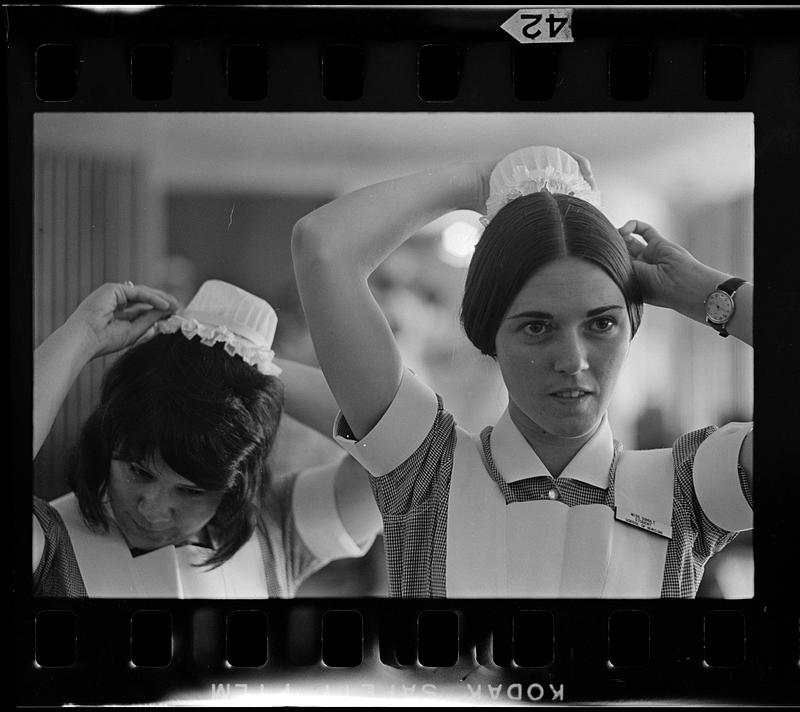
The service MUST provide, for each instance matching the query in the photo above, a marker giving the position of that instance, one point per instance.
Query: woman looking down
(171, 490)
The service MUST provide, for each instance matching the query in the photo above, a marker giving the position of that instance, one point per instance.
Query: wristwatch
(720, 306)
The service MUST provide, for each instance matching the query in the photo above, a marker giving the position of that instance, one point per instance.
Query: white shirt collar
(515, 459)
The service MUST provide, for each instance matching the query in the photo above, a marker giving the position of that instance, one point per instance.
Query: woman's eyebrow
(532, 314)
(600, 310)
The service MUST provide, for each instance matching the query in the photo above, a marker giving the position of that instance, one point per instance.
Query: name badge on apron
(639, 520)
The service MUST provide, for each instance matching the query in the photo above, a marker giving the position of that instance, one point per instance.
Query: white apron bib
(545, 549)
(110, 571)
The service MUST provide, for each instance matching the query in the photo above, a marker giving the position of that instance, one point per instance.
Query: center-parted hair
(524, 236)
(209, 415)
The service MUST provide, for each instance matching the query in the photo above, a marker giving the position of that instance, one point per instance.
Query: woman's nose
(571, 356)
(155, 507)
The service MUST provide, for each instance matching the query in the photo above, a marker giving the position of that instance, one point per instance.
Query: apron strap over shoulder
(104, 560)
(643, 495)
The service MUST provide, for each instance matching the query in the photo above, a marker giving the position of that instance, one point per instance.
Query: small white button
(553, 493)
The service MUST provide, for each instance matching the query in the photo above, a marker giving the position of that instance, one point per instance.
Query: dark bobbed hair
(210, 416)
(524, 236)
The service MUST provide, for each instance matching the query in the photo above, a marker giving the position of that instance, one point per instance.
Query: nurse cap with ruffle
(534, 169)
(223, 313)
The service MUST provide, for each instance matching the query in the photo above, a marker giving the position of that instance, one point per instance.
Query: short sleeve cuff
(400, 431)
(716, 478)
(317, 519)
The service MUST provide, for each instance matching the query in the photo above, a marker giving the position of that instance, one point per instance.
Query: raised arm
(671, 277)
(307, 397)
(336, 248)
(109, 319)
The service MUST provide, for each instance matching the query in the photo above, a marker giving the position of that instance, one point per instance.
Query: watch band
(729, 286)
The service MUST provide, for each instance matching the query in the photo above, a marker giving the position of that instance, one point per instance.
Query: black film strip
(317, 651)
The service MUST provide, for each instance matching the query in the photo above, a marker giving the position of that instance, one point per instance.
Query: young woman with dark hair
(545, 503)
(171, 489)
(560, 226)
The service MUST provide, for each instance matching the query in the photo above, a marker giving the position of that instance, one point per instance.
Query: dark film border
(66, 59)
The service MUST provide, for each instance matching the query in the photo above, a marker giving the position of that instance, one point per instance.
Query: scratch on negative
(230, 217)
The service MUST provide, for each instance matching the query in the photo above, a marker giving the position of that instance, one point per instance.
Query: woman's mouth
(570, 394)
(149, 531)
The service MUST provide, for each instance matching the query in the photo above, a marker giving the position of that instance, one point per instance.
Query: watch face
(719, 307)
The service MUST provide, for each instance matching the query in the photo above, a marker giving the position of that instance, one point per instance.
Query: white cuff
(317, 518)
(716, 478)
(398, 433)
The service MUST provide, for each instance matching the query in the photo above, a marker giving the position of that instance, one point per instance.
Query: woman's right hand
(114, 316)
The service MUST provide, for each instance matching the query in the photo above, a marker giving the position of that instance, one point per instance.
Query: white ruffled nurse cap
(532, 170)
(223, 313)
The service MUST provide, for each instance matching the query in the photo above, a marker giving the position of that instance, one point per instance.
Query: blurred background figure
(174, 199)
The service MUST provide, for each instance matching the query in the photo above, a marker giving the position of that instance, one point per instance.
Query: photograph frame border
(390, 36)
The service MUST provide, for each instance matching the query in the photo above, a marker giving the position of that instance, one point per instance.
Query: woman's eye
(192, 492)
(535, 328)
(140, 473)
(604, 323)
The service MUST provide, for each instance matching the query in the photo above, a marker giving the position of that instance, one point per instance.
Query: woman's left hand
(662, 268)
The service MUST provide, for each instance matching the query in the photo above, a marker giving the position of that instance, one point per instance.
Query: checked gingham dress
(556, 546)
